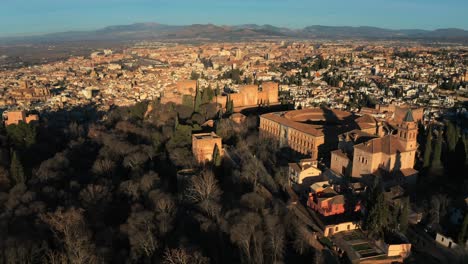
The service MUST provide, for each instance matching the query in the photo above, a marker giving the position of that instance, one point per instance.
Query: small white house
(445, 241)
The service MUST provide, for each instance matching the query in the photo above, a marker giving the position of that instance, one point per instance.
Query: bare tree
(141, 234)
(104, 166)
(54, 168)
(275, 240)
(70, 229)
(242, 233)
(182, 256)
(21, 251)
(135, 160)
(55, 257)
(165, 209)
(149, 181)
(204, 191)
(131, 188)
(94, 194)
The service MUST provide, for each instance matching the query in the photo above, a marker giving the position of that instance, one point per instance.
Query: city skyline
(38, 17)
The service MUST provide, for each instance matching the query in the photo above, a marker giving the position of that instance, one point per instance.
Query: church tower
(408, 132)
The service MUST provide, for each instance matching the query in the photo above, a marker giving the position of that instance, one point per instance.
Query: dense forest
(87, 187)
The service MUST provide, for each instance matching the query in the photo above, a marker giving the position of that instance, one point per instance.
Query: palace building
(357, 145)
(302, 130)
(360, 154)
(252, 95)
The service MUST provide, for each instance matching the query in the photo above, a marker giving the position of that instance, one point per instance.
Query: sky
(28, 17)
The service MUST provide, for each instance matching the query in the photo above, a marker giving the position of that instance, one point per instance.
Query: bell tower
(408, 132)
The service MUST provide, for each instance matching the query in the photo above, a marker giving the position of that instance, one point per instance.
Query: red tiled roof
(388, 144)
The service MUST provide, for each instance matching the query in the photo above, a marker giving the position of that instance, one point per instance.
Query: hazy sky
(20, 17)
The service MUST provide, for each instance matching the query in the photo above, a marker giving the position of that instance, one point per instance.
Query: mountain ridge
(158, 31)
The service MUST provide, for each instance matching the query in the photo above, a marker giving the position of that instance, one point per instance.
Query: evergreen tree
(459, 160)
(229, 105)
(436, 159)
(16, 169)
(377, 219)
(22, 135)
(188, 100)
(194, 76)
(217, 160)
(176, 122)
(452, 136)
(403, 216)
(464, 227)
(217, 90)
(428, 150)
(207, 95)
(198, 100)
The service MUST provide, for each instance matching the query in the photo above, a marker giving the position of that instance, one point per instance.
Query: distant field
(33, 54)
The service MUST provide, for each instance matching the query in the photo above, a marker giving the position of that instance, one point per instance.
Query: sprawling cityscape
(246, 144)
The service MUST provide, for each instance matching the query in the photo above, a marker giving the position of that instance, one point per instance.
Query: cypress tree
(403, 216)
(198, 100)
(378, 216)
(217, 156)
(462, 234)
(229, 105)
(452, 136)
(377, 219)
(218, 90)
(428, 150)
(16, 169)
(436, 161)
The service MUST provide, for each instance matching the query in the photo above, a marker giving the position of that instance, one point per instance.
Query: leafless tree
(182, 157)
(55, 257)
(149, 181)
(94, 194)
(182, 256)
(275, 239)
(131, 188)
(75, 130)
(242, 233)
(53, 168)
(21, 251)
(165, 210)
(253, 201)
(4, 178)
(142, 234)
(301, 238)
(70, 229)
(204, 191)
(135, 160)
(104, 166)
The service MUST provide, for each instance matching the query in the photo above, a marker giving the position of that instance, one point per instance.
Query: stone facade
(291, 128)
(252, 95)
(15, 117)
(333, 229)
(203, 146)
(174, 93)
(390, 153)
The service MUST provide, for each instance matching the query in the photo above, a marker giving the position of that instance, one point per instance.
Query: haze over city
(283, 132)
(25, 17)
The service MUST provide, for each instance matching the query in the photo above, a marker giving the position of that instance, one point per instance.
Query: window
(349, 227)
(336, 228)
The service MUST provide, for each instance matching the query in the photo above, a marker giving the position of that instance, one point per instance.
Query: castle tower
(408, 132)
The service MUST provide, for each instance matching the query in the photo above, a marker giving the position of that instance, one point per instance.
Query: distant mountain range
(156, 31)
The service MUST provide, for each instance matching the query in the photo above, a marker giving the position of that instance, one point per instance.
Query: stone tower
(408, 132)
